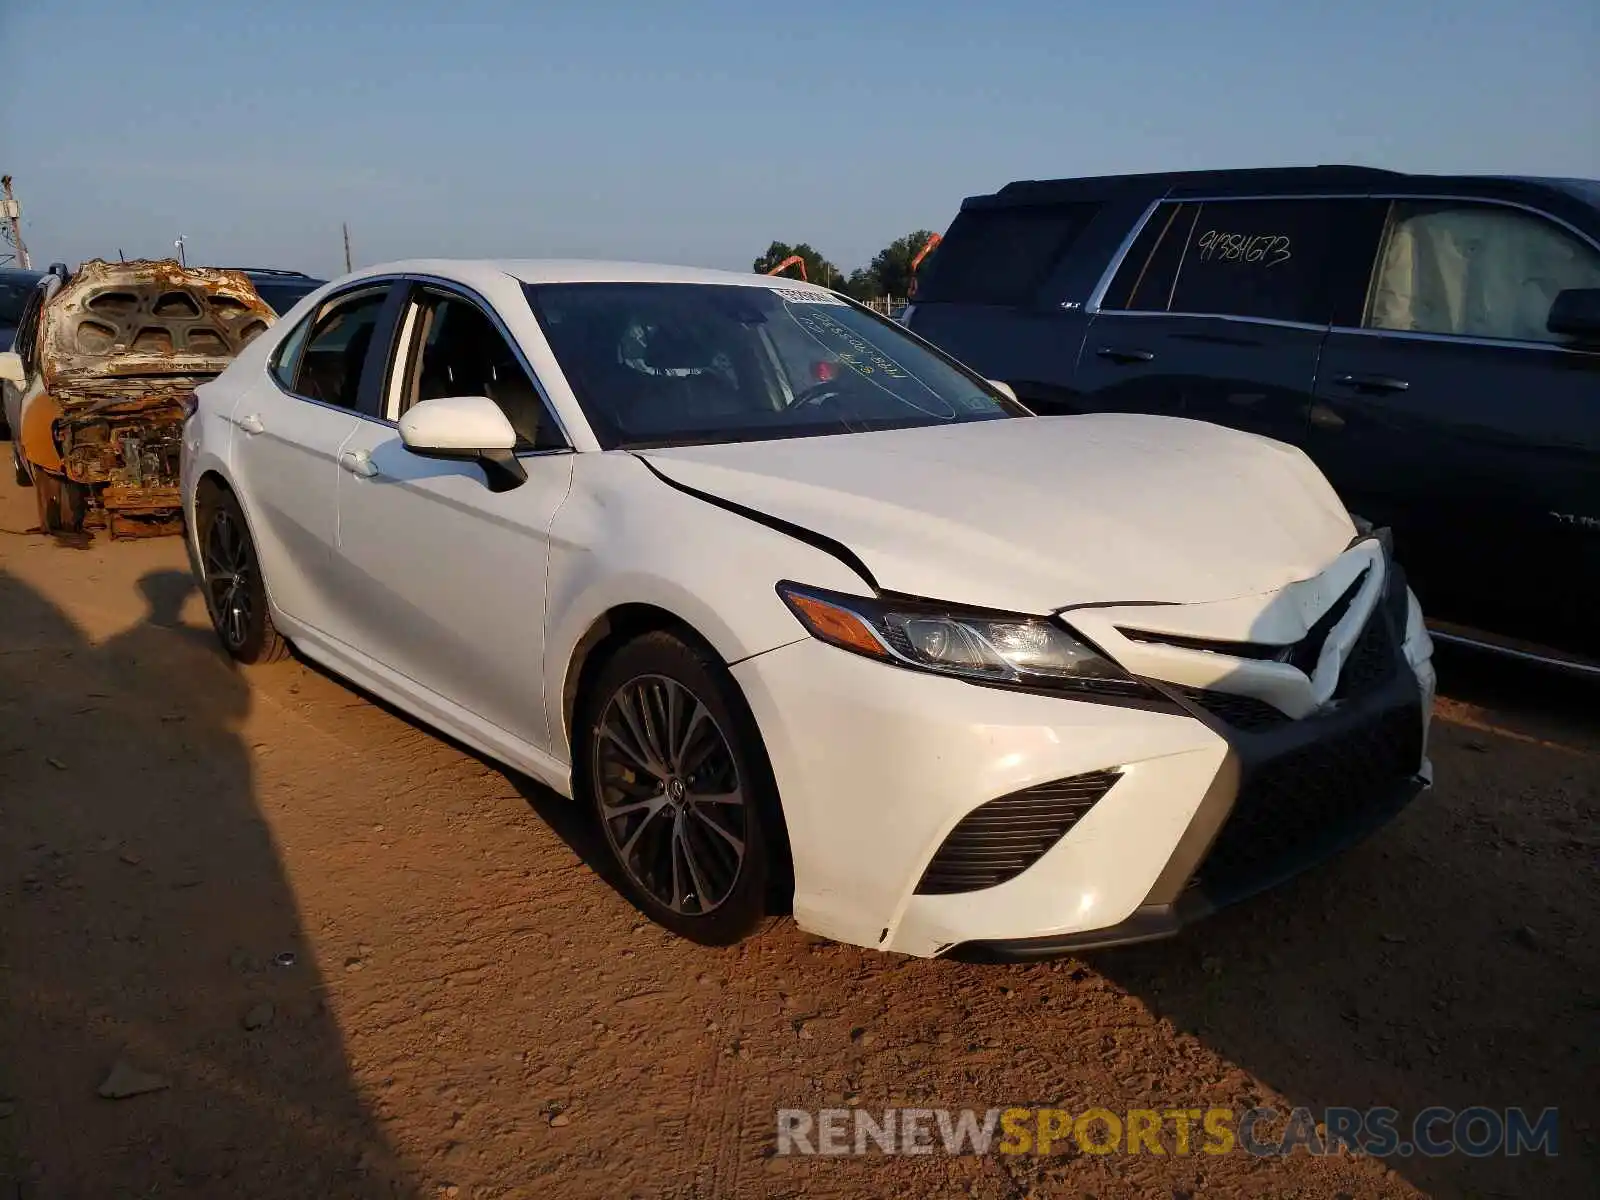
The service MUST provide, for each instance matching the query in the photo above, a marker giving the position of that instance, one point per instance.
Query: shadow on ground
(1453, 959)
(144, 908)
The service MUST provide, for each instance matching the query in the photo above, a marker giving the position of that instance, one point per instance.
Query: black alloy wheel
(681, 786)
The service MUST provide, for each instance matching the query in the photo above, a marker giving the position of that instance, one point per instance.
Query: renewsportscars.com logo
(1478, 1132)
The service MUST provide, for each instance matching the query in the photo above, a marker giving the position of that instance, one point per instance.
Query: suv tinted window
(1475, 270)
(1001, 255)
(15, 288)
(1243, 258)
(329, 369)
(460, 352)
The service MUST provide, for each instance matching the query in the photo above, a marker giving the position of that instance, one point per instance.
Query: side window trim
(1461, 339)
(357, 289)
(1394, 198)
(1098, 295)
(467, 295)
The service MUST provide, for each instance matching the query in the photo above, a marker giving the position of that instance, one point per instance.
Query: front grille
(1371, 661)
(1311, 795)
(1242, 712)
(1001, 839)
(1302, 654)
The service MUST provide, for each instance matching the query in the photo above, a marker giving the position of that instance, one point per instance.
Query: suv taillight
(189, 402)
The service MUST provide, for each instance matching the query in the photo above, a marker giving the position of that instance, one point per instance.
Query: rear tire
(671, 760)
(235, 593)
(62, 503)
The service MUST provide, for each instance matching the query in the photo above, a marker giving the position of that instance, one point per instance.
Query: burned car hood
(1037, 514)
(116, 328)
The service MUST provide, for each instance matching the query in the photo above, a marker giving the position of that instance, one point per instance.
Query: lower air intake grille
(1000, 840)
(1242, 712)
(1310, 795)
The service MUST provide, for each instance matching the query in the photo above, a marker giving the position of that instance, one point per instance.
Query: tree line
(888, 274)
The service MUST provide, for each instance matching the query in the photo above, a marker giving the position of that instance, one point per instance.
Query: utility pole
(13, 215)
(347, 267)
(183, 256)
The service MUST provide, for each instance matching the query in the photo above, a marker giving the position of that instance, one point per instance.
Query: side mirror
(465, 429)
(1576, 314)
(11, 368)
(1005, 389)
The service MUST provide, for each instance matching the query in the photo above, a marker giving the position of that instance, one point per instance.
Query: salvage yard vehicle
(100, 371)
(1432, 342)
(807, 612)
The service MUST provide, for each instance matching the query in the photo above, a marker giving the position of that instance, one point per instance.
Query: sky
(699, 131)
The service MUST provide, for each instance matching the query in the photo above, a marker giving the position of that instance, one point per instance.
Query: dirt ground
(471, 1010)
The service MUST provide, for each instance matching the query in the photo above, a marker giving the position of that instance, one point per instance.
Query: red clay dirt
(471, 1010)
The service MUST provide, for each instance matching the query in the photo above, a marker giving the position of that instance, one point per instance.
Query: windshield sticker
(796, 296)
(871, 363)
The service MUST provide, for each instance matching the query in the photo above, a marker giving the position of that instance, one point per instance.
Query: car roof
(561, 270)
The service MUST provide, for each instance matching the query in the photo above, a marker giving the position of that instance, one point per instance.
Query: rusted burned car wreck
(105, 371)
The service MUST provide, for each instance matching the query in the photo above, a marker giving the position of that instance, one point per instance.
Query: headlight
(994, 648)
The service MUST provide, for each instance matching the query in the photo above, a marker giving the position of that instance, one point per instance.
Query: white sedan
(806, 612)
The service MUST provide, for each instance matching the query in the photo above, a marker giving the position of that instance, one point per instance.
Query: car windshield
(14, 289)
(657, 364)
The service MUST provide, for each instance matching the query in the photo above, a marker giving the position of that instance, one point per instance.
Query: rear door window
(1001, 256)
(330, 365)
(1266, 259)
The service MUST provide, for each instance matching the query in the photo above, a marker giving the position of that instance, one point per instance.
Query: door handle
(251, 424)
(1372, 383)
(357, 463)
(1125, 356)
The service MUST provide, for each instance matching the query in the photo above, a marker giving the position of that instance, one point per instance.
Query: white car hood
(1034, 515)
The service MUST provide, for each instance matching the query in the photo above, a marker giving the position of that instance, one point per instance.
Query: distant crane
(928, 248)
(794, 260)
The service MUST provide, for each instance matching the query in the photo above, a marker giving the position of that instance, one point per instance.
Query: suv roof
(1279, 179)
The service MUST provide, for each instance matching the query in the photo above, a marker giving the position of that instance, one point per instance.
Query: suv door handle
(357, 463)
(251, 424)
(1125, 356)
(1372, 383)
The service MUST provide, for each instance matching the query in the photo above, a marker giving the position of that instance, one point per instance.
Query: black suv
(281, 289)
(1432, 342)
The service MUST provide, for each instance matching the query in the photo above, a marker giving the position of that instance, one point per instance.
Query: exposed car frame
(105, 366)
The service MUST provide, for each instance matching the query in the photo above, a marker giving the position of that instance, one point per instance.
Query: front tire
(236, 594)
(673, 764)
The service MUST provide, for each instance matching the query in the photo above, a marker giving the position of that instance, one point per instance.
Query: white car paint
(1034, 516)
(457, 423)
(468, 607)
